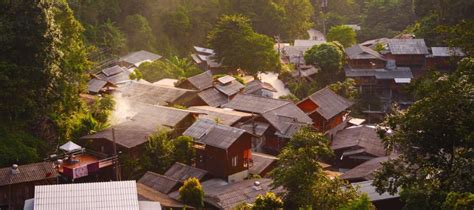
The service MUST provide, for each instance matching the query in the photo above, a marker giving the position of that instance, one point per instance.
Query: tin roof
(28, 173)
(154, 94)
(329, 103)
(362, 52)
(158, 182)
(225, 116)
(261, 162)
(447, 51)
(369, 189)
(365, 170)
(182, 172)
(216, 135)
(230, 88)
(137, 58)
(407, 47)
(213, 97)
(201, 81)
(363, 138)
(120, 195)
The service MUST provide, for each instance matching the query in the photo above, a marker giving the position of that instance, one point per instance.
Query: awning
(70, 147)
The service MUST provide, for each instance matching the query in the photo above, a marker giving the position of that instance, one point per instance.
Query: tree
(298, 16)
(184, 150)
(173, 68)
(346, 88)
(362, 203)
(299, 172)
(139, 34)
(267, 201)
(158, 154)
(343, 34)
(459, 201)
(238, 46)
(107, 37)
(434, 139)
(191, 193)
(330, 58)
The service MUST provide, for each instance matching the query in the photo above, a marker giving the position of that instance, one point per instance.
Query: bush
(191, 193)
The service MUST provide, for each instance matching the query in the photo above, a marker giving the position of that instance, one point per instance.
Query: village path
(272, 78)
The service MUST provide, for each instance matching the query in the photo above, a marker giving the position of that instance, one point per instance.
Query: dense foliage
(191, 193)
(174, 68)
(342, 34)
(435, 140)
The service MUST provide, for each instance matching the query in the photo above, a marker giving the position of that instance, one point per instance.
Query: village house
(17, 183)
(118, 195)
(359, 56)
(205, 59)
(408, 53)
(199, 82)
(108, 79)
(384, 201)
(444, 59)
(355, 145)
(259, 88)
(134, 59)
(223, 151)
(306, 72)
(364, 171)
(262, 164)
(223, 116)
(131, 134)
(327, 110)
(294, 54)
(274, 123)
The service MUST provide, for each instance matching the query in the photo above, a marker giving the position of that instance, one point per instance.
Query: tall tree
(300, 173)
(191, 193)
(329, 57)
(435, 140)
(139, 34)
(238, 46)
(343, 34)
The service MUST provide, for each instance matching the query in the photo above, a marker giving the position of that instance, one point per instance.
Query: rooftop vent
(256, 185)
(15, 169)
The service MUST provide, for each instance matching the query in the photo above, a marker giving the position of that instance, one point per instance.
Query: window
(234, 161)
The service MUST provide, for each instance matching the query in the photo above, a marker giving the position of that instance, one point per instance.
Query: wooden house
(262, 164)
(326, 109)
(355, 145)
(199, 82)
(222, 150)
(133, 132)
(275, 120)
(221, 115)
(259, 88)
(359, 56)
(444, 59)
(134, 59)
(205, 59)
(364, 171)
(408, 53)
(17, 183)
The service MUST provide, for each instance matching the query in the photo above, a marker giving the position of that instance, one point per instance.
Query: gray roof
(256, 85)
(307, 43)
(95, 85)
(136, 58)
(137, 128)
(305, 72)
(399, 72)
(359, 139)
(369, 189)
(281, 114)
(213, 97)
(362, 52)
(201, 81)
(329, 103)
(261, 162)
(365, 170)
(230, 195)
(407, 47)
(447, 51)
(154, 94)
(204, 50)
(158, 182)
(28, 173)
(225, 116)
(225, 79)
(182, 172)
(230, 88)
(120, 195)
(256, 128)
(209, 133)
(113, 70)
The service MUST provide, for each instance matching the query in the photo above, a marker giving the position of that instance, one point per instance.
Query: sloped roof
(369, 189)
(28, 173)
(148, 193)
(213, 97)
(118, 78)
(281, 114)
(182, 172)
(154, 94)
(261, 162)
(121, 195)
(256, 85)
(95, 85)
(225, 79)
(209, 133)
(329, 103)
(230, 88)
(225, 116)
(201, 81)
(147, 120)
(203, 50)
(362, 52)
(113, 70)
(365, 170)
(399, 72)
(256, 128)
(229, 196)
(364, 138)
(447, 51)
(136, 58)
(307, 43)
(407, 47)
(158, 182)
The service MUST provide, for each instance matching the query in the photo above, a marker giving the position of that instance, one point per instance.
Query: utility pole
(117, 164)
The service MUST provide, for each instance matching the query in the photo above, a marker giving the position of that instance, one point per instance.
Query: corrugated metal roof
(95, 85)
(158, 182)
(307, 43)
(225, 79)
(154, 94)
(100, 195)
(204, 50)
(369, 189)
(231, 88)
(261, 162)
(213, 97)
(225, 116)
(201, 81)
(255, 104)
(113, 70)
(182, 172)
(329, 103)
(359, 137)
(28, 173)
(365, 170)
(447, 51)
(136, 58)
(255, 128)
(407, 47)
(399, 72)
(209, 133)
(362, 52)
